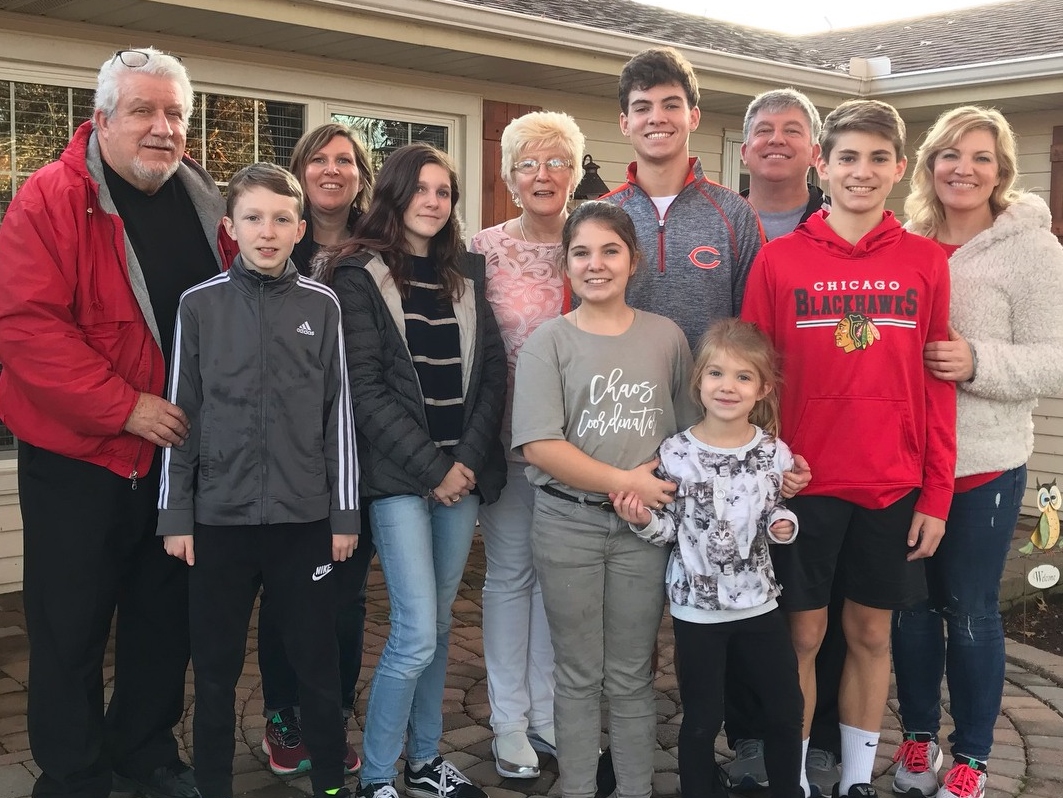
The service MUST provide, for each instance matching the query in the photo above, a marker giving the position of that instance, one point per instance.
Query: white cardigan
(1007, 290)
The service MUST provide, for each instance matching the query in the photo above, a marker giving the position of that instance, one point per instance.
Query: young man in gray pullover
(699, 238)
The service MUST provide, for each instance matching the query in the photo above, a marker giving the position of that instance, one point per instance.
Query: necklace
(524, 234)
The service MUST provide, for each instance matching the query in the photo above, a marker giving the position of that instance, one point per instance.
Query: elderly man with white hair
(95, 251)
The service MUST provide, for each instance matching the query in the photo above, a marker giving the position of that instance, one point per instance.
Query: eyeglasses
(530, 166)
(134, 59)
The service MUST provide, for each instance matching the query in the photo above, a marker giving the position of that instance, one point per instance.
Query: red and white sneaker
(964, 780)
(917, 775)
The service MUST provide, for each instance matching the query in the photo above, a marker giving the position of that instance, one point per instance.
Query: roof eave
(496, 29)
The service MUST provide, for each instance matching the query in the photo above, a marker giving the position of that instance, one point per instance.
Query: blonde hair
(925, 212)
(545, 129)
(742, 340)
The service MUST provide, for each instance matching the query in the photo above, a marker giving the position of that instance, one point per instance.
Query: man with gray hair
(781, 141)
(95, 251)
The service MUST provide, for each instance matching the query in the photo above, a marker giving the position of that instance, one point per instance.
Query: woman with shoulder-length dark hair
(428, 377)
(1002, 353)
(334, 169)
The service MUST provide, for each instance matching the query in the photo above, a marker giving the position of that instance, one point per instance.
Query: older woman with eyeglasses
(540, 151)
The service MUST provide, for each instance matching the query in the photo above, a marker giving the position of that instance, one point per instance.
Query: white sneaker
(514, 756)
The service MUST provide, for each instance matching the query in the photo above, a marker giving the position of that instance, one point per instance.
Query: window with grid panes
(36, 122)
(225, 133)
(383, 136)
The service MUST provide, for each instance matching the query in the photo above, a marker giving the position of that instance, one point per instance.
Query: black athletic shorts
(867, 549)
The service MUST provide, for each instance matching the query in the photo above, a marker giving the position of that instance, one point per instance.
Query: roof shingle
(987, 33)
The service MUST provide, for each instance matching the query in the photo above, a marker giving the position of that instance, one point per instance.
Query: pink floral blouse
(525, 288)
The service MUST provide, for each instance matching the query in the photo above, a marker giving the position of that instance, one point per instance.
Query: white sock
(858, 756)
(804, 775)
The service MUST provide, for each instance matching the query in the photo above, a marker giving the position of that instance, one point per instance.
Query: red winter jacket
(75, 341)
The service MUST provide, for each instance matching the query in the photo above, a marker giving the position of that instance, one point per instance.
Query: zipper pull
(133, 477)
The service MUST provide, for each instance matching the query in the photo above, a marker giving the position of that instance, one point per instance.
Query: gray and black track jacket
(259, 366)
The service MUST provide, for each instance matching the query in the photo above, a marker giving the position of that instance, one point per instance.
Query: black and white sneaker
(380, 790)
(863, 790)
(439, 779)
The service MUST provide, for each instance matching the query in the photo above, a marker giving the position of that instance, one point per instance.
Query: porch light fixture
(590, 185)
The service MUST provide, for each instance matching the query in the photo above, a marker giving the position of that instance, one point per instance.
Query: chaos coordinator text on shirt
(618, 406)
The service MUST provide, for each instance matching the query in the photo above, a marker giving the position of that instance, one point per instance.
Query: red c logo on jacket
(698, 253)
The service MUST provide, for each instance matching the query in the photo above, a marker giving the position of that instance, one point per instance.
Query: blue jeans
(963, 578)
(422, 547)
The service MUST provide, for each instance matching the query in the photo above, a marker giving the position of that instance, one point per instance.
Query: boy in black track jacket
(265, 488)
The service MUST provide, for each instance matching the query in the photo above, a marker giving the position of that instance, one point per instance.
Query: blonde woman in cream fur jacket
(1006, 350)
(1007, 285)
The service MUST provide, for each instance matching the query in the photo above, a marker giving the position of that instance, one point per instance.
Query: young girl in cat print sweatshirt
(720, 582)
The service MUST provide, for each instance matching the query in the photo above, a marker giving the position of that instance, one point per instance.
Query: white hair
(159, 63)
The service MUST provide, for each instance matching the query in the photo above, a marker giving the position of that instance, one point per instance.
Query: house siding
(10, 529)
(1046, 462)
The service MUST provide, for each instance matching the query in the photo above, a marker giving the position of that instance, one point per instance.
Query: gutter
(1048, 67)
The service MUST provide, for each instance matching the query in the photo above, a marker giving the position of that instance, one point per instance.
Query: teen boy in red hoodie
(850, 299)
